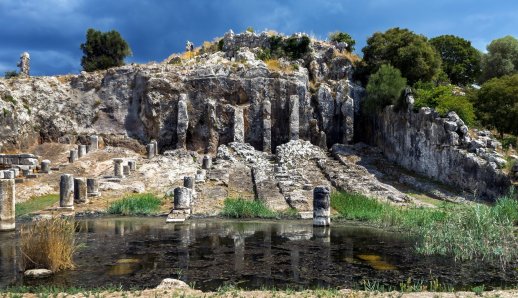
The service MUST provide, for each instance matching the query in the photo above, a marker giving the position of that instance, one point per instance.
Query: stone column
(92, 187)
(45, 166)
(80, 191)
(81, 151)
(150, 150)
(321, 206)
(182, 198)
(207, 162)
(126, 170)
(267, 126)
(182, 122)
(294, 117)
(132, 165)
(200, 175)
(94, 143)
(188, 182)
(66, 191)
(117, 168)
(7, 205)
(1, 174)
(73, 156)
(239, 125)
(348, 114)
(155, 146)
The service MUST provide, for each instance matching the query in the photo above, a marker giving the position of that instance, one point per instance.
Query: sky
(53, 30)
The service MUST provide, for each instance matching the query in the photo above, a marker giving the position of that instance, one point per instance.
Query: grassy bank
(140, 204)
(242, 208)
(465, 232)
(36, 204)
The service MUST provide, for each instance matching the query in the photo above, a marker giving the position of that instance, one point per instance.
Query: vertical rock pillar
(182, 122)
(66, 191)
(321, 206)
(7, 205)
(294, 117)
(267, 126)
(80, 191)
(239, 125)
(117, 168)
(45, 166)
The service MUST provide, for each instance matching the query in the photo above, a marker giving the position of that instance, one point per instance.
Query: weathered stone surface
(422, 142)
(45, 166)
(92, 187)
(239, 125)
(7, 204)
(182, 122)
(94, 143)
(73, 156)
(80, 191)
(294, 117)
(321, 206)
(66, 191)
(81, 151)
(37, 273)
(118, 168)
(182, 198)
(207, 162)
(150, 150)
(171, 283)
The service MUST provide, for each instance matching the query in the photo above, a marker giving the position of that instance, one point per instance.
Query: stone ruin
(24, 64)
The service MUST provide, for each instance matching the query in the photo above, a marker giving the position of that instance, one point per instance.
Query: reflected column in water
(268, 250)
(239, 253)
(183, 251)
(119, 228)
(322, 235)
(295, 263)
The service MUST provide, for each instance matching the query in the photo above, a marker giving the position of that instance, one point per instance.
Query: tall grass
(36, 204)
(465, 232)
(142, 204)
(48, 244)
(241, 208)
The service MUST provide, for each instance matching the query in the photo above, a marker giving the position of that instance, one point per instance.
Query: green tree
(343, 37)
(409, 52)
(385, 88)
(501, 58)
(460, 61)
(497, 104)
(103, 50)
(10, 74)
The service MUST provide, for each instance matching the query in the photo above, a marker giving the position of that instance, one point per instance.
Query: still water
(140, 252)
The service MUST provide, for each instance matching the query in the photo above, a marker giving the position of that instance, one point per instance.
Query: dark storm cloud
(52, 30)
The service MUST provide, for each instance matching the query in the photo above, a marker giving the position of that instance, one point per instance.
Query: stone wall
(438, 147)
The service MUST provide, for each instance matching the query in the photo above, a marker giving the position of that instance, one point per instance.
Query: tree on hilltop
(103, 50)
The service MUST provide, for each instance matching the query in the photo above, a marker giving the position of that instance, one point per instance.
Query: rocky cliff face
(441, 148)
(197, 103)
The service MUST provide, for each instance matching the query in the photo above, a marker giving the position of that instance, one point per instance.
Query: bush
(10, 74)
(343, 37)
(48, 244)
(144, 204)
(384, 88)
(293, 47)
(443, 100)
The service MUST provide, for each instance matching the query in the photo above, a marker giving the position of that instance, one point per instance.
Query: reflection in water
(140, 252)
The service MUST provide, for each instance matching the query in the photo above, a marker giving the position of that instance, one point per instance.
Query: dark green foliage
(343, 37)
(144, 204)
(443, 100)
(497, 104)
(293, 47)
(385, 88)
(460, 61)
(10, 74)
(9, 98)
(409, 52)
(501, 58)
(221, 43)
(250, 29)
(103, 50)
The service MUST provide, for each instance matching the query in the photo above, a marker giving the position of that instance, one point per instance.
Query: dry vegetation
(350, 56)
(48, 244)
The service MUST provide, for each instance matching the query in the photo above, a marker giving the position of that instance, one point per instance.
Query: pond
(209, 253)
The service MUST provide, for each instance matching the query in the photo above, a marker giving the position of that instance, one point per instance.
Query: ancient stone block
(188, 182)
(267, 126)
(80, 191)
(321, 206)
(73, 156)
(239, 125)
(94, 142)
(207, 162)
(126, 170)
(45, 166)
(92, 187)
(182, 198)
(66, 191)
(117, 168)
(7, 204)
(81, 151)
(150, 150)
(132, 165)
